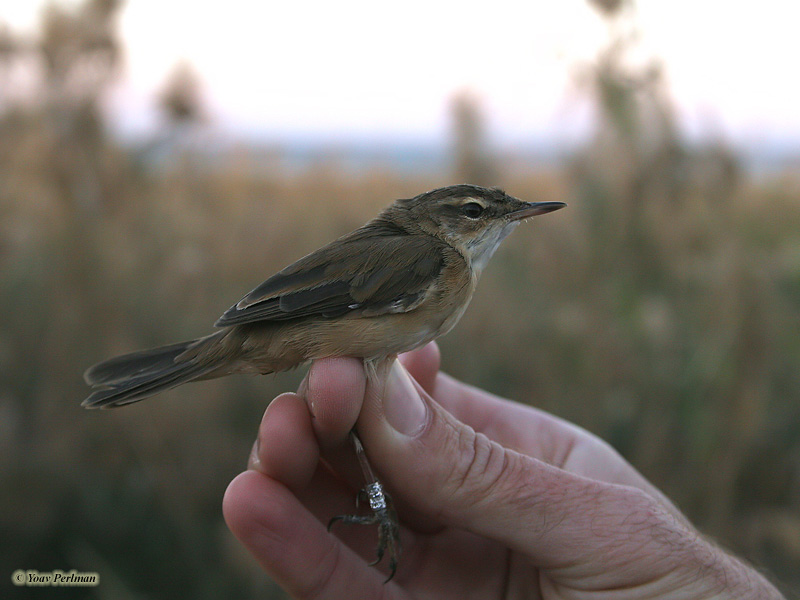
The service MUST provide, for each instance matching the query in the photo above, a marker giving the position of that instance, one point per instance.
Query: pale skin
(496, 499)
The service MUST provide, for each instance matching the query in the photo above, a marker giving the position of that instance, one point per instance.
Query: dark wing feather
(363, 273)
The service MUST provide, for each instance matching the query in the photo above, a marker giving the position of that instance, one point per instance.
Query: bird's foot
(384, 515)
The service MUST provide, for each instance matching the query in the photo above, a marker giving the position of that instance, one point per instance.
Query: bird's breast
(370, 337)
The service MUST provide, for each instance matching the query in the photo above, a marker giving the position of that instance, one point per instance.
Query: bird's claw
(384, 515)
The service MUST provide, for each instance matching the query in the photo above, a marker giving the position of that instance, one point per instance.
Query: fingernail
(302, 391)
(405, 411)
(253, 461)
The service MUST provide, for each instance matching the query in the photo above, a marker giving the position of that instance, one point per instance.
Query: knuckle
(482, 472)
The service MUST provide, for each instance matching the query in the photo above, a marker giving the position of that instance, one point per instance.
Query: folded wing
(366, 274)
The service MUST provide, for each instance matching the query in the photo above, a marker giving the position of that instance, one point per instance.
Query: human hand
(496, 499)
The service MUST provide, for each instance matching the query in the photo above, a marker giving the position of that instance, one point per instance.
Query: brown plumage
(392, 285)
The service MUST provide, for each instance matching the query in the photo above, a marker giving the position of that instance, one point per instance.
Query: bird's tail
(132, 377)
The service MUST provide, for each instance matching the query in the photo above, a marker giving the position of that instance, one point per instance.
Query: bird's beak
(532, 209)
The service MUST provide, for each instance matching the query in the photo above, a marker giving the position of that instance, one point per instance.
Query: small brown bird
(392, 285)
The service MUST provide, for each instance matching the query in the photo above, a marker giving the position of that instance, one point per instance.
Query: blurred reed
(660, 311)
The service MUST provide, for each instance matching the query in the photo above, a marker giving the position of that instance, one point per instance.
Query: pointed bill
(532, 209)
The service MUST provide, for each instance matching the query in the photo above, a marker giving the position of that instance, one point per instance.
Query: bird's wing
(362, 274)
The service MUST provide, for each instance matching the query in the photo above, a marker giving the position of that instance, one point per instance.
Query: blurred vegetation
(471, 150)
(660, 311)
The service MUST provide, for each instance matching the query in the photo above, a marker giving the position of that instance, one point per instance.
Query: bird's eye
(473, 210)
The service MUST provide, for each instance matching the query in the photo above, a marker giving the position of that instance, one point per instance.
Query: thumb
(445, 469)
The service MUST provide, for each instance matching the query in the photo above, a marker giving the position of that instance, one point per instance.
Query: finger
(287, 451)
(323, 493)
(334, 393)
(335, 389)
(286, 448)
(423, 365)
(292, 545)
(560, 520)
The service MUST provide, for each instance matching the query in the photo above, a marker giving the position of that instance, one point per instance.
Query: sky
(360, 69)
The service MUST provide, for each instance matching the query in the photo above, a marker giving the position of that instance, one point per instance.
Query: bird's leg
(383, 513)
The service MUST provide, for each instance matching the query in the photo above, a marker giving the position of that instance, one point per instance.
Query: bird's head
(471, 219)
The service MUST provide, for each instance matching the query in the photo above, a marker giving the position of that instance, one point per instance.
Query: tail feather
(127, 366)
(136, 376)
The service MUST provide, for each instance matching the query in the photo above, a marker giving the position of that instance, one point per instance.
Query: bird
(394, 284)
